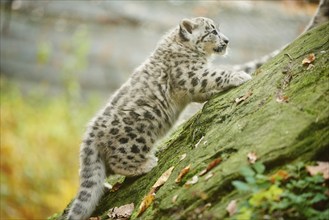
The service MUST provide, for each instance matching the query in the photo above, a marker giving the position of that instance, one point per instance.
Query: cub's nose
(224, 38)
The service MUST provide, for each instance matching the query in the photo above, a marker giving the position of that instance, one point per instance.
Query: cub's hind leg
(134, 164)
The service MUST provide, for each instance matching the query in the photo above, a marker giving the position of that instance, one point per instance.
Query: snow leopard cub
(120, 139)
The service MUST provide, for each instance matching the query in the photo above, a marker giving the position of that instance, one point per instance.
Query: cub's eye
(214, 32)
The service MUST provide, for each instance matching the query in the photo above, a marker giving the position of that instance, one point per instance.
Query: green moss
(279, 133)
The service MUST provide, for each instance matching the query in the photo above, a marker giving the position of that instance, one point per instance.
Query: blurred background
(61, 60)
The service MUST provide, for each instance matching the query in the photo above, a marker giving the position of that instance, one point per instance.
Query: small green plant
(291, 193)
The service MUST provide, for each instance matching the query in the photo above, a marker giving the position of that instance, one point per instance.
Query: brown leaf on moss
(147, 201)
(243, 98)
(310, 66)
(149, 198)
(280, 98)
(182, 157)
(116, 186)
(162, 180)
(192, 181)
(309, 59)
(210, 166)
(197, 144)
(174, 199)
(182, 173)
(209, 175)
(122, 212)
(321, 168)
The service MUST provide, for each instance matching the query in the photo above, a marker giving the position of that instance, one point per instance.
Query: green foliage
(43, 52)
(287, 194)
(40, 138)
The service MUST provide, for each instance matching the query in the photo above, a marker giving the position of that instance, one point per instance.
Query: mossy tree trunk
(283, 119)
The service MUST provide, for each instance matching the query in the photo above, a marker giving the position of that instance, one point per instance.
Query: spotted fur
(121, 138)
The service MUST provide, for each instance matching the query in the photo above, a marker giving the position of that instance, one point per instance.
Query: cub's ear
(186, 28)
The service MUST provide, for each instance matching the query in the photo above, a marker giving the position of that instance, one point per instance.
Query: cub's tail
(92, 176)
(321, 16)
(252, 66)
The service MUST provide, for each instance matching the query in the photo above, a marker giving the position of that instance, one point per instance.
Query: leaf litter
(182, 173)
(182, 157)
(147, 201)
(122, 212)
(309, 59)
(162, 180)
(322, 168)
(281, 98)
(197, 144)
(210, 166)
(192, 181)
(149, 198)
(243, 98)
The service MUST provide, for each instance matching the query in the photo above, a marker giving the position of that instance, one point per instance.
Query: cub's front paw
(239, 77)
(151, 162)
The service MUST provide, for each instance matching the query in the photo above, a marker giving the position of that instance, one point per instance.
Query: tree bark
(283, 118)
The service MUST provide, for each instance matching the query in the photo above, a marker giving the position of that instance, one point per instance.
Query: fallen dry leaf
(321, 168)
(147, 201)
(108, 186)
(193, 181)
(174, 199)
(122, 212)
(252, 157)
(309, 59)
(182, 157)
(279, 175)
(280, 98)
(197, 144)
(182, 173)
(116, 186)
(310, 66)
(210, 166)
(209, 175)
(232, 207)
(95, 218)
(162, 179)
(243, 98)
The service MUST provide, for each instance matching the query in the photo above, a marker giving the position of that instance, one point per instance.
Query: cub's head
(202, 35)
